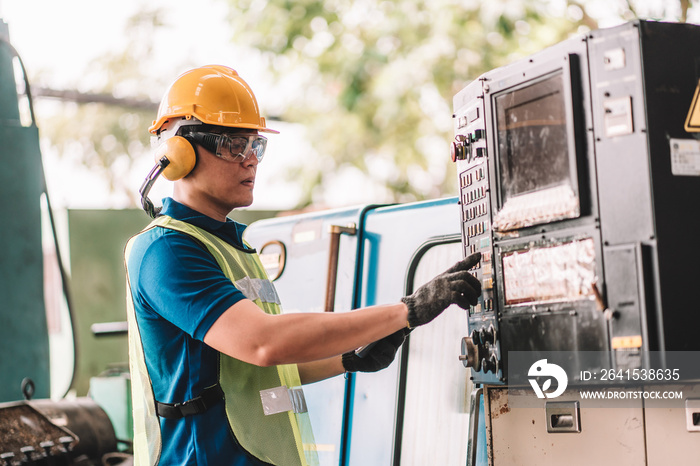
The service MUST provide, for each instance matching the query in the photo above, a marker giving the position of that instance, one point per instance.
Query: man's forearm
(245, 332)
(316, 371)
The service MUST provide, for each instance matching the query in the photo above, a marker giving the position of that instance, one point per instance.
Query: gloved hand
(454, 286)
(379, 356)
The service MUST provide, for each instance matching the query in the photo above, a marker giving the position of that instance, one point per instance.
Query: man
(211, 355)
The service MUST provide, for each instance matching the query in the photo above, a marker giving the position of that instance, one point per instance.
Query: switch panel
(480, 349)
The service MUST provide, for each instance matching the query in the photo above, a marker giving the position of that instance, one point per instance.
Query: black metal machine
(579, 185)
(57, 433)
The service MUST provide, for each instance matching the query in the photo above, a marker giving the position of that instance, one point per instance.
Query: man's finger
(466, 263)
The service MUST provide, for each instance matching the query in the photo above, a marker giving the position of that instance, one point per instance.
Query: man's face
(223, 182)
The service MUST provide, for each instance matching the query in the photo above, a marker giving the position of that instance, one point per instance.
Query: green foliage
(108, 141)
(371, 80)
(379, 77)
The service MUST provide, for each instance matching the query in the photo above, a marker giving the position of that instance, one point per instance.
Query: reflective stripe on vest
(282, 439)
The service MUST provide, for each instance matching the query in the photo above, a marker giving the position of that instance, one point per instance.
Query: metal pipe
(333, 252)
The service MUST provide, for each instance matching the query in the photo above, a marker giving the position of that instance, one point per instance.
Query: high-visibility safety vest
(284, 438)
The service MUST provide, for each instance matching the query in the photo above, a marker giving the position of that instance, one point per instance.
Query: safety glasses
(231, 146)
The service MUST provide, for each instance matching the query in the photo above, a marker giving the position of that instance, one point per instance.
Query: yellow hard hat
(214, 95)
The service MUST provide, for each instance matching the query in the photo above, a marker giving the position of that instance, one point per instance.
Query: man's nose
(250, 159)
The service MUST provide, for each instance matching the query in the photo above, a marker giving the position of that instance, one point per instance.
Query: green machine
(35, 430)
(24, 341)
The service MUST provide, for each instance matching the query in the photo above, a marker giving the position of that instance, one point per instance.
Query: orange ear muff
(175, 159)
(181, 155)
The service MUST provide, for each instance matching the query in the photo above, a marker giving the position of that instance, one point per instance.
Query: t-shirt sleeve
(180, 280)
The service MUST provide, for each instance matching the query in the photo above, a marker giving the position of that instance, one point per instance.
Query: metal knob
(470, 354)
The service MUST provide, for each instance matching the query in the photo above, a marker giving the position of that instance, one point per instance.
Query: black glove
(379, 356)
(454, 286)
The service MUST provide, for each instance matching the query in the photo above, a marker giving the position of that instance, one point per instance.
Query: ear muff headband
(207, 140)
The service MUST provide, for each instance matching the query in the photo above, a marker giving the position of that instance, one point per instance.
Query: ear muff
(181, 155)
(175, 159)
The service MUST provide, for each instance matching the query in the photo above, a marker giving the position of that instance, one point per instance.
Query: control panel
(578, 255)
(481, 348)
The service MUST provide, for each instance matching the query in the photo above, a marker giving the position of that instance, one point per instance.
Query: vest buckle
(198, 405)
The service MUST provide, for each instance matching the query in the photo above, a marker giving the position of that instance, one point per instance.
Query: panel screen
(535, 165)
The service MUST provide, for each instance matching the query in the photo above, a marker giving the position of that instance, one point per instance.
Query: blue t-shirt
(179, 291)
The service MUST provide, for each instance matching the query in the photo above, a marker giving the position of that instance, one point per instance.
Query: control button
(487, 336)
(474, 337)
(454, 151)
(487, 283)
(480, 152)
(493, 334)
(494, 366)
(478, 134)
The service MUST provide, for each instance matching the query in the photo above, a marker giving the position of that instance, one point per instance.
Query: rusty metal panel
(519, 435)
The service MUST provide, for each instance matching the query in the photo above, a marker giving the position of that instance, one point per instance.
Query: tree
(373, 80)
